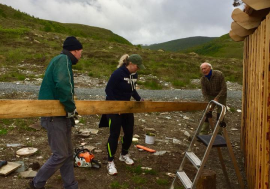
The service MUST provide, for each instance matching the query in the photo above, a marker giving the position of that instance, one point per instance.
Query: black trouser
(115, 123)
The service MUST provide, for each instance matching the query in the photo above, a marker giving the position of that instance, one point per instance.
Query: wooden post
(207, 180)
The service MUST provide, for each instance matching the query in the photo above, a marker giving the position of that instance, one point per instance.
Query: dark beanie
(71, 44)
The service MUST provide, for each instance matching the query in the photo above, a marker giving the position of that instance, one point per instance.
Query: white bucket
(150, 139)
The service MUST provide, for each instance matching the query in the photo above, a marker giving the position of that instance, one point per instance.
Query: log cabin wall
(255, 131)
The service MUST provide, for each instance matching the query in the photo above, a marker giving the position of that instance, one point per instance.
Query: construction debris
(10, 167)
(28, 174)
(26, 151)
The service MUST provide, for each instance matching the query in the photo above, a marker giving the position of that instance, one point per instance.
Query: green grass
(151, 84)
(3, 131)
(117, 185)
(138, 180)
(232, 109)
(163, 182)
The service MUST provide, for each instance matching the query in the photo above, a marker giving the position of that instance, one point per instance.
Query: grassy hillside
(180, 44)
(223, 46)
(11, 19)
(27, 45)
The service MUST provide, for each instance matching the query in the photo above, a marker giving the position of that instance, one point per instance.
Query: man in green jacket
(213, 88)
(58, 84)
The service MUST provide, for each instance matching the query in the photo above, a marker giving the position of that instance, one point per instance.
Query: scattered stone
(87, 132)
(28, 174)
(98, 151)
(149, 129)
(234, 129)
(36, 126)
(160, 153)
(171, 175)
(187, 134)
(14, 145)
(135, 139)
(90, 148)
(136, 136)
(146, 168)
(176, 141)
(238, 110)
(94, 131)
(21, 168)
(185, 117)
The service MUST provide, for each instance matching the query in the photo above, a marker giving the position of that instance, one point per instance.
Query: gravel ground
(99, 93)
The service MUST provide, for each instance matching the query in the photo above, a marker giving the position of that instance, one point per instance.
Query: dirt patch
(170, 127)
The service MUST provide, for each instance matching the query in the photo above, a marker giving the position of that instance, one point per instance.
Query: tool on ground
(84, 158)
(210, 141)
(2, 163)
(145, 148)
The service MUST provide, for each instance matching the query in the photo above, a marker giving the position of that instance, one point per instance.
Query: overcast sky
(139, 21)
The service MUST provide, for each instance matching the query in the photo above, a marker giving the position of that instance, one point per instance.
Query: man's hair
(208, 64)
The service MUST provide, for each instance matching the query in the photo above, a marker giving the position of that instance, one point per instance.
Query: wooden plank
(235, 165)
(266, 113)
(240, 31)
(47, 108)
(235, 37)
(244, 20)
(257, 4)
(11, 166)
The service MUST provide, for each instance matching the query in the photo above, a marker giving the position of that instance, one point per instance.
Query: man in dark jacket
(58, 84)
(213, 88)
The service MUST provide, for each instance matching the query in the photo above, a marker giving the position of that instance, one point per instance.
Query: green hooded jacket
(58, 83)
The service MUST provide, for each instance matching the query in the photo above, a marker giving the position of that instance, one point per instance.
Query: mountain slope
(223, 46)
(10, 18)
(180, 44)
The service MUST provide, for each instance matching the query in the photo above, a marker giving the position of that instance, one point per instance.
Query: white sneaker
(111, 168)
(126, 159)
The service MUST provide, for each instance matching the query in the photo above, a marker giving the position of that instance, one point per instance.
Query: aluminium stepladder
(210, 141)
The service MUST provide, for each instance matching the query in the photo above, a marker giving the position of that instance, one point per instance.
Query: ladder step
(184, 179)
(219, 140)
(194, 159)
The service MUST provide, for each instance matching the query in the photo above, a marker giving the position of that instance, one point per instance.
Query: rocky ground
(173, 132)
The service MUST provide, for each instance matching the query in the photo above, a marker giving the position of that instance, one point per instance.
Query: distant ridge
(223, 46)
(180, 44)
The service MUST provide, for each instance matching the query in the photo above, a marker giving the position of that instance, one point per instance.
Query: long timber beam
(47, 108)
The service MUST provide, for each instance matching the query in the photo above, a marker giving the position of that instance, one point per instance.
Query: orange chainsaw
(84, 158)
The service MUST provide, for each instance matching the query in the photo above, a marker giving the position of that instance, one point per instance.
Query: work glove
(72, 116)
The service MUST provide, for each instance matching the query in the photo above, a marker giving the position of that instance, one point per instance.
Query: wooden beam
(47, 108)
(244, 20)
(235, 37)
(240, 31)
(257, 4)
